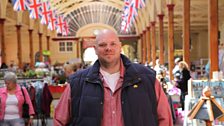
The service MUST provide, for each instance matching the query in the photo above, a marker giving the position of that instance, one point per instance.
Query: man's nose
(108, 47)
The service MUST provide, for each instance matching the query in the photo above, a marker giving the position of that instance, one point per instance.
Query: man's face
(108, 48)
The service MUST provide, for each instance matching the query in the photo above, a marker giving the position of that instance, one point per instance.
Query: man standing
(113, 92)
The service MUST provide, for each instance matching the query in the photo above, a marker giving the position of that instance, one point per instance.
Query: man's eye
(102, 45)
(113, 44)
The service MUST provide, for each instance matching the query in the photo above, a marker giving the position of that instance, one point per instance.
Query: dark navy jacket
(139, 105)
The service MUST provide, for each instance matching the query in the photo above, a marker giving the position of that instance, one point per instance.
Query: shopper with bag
(15, 103)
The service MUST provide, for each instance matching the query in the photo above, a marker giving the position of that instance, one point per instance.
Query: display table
(56, 91)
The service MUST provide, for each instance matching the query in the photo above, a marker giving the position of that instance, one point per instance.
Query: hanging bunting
(43, 10)
(35, 9)
(53, 20)
(46, 13)
(60, 24)
(65, 29)
(20, 5)
(130, 12)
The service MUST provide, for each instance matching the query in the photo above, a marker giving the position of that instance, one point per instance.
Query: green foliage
(30, 74)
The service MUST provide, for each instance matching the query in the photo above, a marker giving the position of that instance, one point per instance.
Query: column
(19, 48)
(148, 40)
(31, 48)
(142, 51)
(79, 42)
(144, 46)
(153, 43)
(40, 47)
(2, 40)
(48, 48)
(213, 33)
(186, 31)
(161, 39)
(170, 39)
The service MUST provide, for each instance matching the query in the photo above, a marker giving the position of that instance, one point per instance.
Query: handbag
(25, 107)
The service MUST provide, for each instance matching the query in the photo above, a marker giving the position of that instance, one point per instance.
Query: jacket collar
(5, 89)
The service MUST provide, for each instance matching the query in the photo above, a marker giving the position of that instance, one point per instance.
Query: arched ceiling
(83, 12)
(79, 13)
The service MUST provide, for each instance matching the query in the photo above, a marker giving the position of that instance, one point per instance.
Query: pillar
(170, 39)
(40, 47)
(48, 48)
(186, 31)
(213, 33)
(31, 48)
(148, 39)
(161, 39)
(153, 43)
(2, 40)
(144, 46)
(19, 48)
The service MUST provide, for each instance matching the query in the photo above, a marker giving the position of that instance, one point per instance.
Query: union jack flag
(46, 13)
(35, 9)
(126, 3)
(139, 3)
(20, 5)
(53, 21)
(60, 24)
(125, 26)
(126, 8)
(65, 28)
(130, 11)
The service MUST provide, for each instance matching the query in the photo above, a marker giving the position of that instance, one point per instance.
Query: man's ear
(95, 49)
(120, 47)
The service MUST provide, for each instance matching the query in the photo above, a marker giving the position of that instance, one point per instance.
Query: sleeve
(163, 107)
(62, 110)
(28, 101)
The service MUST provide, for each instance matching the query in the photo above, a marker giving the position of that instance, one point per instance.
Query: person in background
(12, 99)
(176, 68)
(4, 66)
(183, 81)
(221, 57)
(70, 69)
(157, 67)
(207, 70)
(12, 67)
(113, 92)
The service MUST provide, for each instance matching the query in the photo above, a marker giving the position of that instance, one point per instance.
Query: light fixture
(96, 32)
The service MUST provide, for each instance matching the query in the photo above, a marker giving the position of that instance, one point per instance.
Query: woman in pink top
(11, 101)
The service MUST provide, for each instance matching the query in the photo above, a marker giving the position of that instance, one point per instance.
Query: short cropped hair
(72, 67)
(11, 77)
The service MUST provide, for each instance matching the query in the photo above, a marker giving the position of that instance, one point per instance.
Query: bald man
(113, 92)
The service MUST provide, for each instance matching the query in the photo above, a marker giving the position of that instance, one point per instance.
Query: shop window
(65, 47)
(69, 47)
